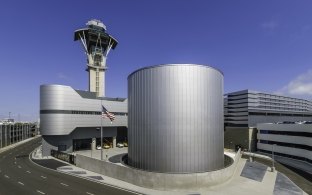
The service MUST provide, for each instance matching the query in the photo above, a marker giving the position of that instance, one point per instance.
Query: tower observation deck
(96, 43)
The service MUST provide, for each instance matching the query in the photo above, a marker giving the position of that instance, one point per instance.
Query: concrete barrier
(256, 155)
(159, 181)
(8, 147)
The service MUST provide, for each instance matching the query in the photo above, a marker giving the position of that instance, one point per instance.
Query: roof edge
(160, 65)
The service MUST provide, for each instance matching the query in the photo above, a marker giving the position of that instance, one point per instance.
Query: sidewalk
(85, 174)
(249, 178)
(78, 172)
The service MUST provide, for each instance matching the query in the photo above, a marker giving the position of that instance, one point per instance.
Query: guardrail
(64, 156)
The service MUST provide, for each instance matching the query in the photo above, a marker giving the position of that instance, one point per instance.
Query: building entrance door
(82, 144)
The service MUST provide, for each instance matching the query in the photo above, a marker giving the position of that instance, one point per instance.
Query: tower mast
(97, 44)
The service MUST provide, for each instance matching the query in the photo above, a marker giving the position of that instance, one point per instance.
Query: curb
(89, 179)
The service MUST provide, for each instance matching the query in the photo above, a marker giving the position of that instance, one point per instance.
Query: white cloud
(300, 86)
(270, 25)
(61, 75)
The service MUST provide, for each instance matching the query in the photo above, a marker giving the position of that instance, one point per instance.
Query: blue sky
(260, 45)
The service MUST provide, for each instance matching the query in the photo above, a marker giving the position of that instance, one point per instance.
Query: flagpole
(101, 131)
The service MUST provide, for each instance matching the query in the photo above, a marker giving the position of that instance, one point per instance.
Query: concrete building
(96, 43)
(176, 118)
(287, 140)
(11, 133)
(71, 119)
(244, 109)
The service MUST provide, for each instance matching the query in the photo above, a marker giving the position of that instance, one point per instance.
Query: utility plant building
(176, 118)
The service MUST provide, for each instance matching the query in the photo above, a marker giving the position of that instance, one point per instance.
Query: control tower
(97, 43)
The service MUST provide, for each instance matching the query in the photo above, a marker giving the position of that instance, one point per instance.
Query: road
(18, 175)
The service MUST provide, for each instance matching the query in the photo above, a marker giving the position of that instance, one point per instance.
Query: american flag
(106, 114)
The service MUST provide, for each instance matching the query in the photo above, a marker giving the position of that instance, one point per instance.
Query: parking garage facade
(16, 132)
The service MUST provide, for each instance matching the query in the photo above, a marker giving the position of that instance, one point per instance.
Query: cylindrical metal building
(175, 118)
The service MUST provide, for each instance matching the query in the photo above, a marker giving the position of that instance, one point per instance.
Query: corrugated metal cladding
(175, 118)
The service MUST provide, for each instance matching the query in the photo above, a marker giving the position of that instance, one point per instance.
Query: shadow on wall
(160, 181)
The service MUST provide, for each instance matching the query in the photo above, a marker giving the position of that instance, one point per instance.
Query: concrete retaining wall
(160, 181)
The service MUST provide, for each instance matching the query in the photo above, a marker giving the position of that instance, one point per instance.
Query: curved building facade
(175, 118)
(70, 119)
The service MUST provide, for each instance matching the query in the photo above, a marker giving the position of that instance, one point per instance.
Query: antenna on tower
(97, 44)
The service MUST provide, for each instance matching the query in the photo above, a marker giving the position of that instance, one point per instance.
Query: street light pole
(101, 141)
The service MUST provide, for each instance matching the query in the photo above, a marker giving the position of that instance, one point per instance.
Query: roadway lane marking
(19, 167)
(40, 192)
(6, 176)
(89, 193)
(28, 172)
(64, 184)
(43, 177)
(20, 183)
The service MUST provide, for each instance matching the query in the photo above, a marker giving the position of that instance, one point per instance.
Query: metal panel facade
(65, 99)
(175, 118)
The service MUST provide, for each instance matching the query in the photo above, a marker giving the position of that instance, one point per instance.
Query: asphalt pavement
(19, 175)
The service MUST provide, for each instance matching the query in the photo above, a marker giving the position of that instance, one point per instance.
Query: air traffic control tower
(96, 43)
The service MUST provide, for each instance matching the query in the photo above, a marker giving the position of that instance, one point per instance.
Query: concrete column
(5, 136)
(17, 133)
(252, 138)
(114, 142)
(9, 134)
(93, 144)
(1, 136)
(22, 132)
